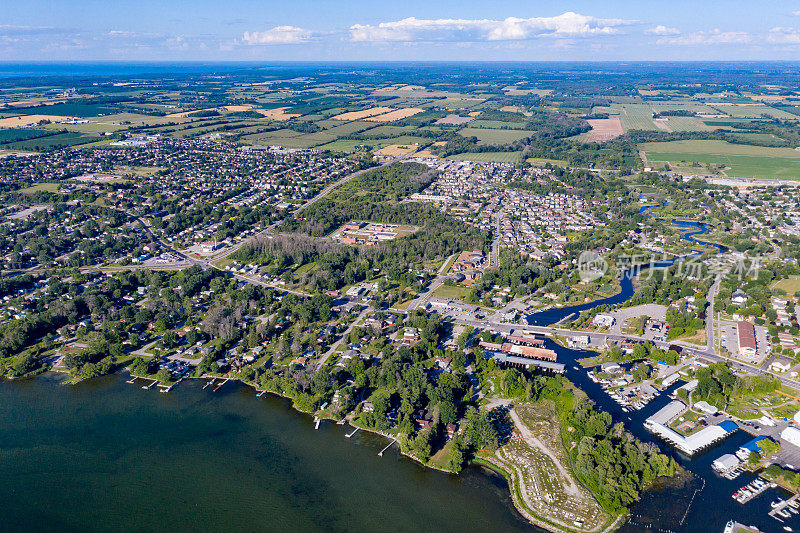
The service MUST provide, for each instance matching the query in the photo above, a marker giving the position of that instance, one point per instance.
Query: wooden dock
(380, 454)
(220, 385)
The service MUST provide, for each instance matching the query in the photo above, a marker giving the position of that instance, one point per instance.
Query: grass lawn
(456, 292)
(540, 162)
(791, 284)
(39, 187)
(441, 458)
(488, 157)
(743, 160)
(489, 136)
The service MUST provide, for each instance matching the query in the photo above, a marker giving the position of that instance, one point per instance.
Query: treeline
(338, 265)
(717, 383)
(374, 195)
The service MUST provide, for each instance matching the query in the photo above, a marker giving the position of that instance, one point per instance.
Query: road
(331, 350)
(494, 256)
(423, 297)
(712, 293)
(688, 351)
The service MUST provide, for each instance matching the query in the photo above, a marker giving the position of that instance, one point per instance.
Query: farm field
(744, 160)
(497, 124)
(27, 120)
(755, 111)
(51, 142)
(344, 145)
(67, 110)
(14, 134)
(454, 120)
(604, 129)
(636, 116)
(358, 115)
(488, 157)
(687, 124)
(396, 150)
(487, 136)
(397, 114)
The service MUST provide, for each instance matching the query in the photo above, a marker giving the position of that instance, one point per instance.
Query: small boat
(776, 503)
(728, 527)
(787, 528)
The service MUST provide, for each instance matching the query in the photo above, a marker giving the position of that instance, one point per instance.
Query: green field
(755, 112)
(636, 116)
(21, 134)
(791, 284)
(687, 124)
(345, 145)
(39, 187)
(457, 292)
(52, 142)
(67, 110)
(488, 157)
(496, 124)
(540, 162)
(745, 161)
(487, 136)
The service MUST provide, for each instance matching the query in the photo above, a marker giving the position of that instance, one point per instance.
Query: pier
(220, 385)
(565, 319)
(380, 454)
(351, 434)
(209, 384)
(316, 422)
(780, 510)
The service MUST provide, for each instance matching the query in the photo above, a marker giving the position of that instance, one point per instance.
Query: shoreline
(479, 461)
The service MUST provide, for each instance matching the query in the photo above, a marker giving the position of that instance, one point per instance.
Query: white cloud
(663, 30)
(459, 30)
(708, 37)
(278, 35)
(796, 13)
(780, 35)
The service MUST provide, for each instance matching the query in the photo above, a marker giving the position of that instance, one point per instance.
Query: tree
(163, 375)
(456, 462)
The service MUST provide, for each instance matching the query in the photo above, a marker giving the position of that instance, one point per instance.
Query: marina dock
(785, 509)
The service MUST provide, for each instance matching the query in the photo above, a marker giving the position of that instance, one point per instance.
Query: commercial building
(726, 463)
(747, 338)
(791, 435)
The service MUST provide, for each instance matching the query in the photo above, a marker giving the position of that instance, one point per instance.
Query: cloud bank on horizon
(569, 35)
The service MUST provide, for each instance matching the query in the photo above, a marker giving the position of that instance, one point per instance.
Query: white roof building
(791, 435)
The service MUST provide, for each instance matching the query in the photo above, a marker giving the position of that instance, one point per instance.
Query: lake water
(108, 456)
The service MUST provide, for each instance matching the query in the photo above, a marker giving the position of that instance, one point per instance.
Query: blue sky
(249, 30)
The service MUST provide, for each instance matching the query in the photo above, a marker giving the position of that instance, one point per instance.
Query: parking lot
(730, 341)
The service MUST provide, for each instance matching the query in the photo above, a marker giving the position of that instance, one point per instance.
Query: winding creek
(702, 503)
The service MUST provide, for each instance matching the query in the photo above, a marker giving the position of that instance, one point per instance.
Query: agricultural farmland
(740, 160)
